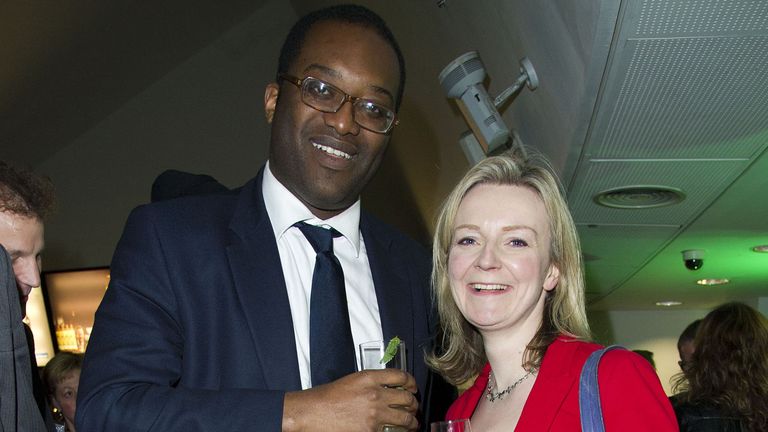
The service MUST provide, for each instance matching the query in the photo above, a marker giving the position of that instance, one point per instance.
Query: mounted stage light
(463, 79)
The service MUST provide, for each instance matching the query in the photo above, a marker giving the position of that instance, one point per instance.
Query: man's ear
(270, 100)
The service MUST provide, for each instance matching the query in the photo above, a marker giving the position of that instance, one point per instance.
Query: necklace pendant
(493, 396)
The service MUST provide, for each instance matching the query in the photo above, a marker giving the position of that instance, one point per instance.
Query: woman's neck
(505, 353)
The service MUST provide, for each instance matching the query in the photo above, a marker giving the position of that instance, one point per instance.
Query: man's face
(22, 237)
(686, 354)
(326, 159)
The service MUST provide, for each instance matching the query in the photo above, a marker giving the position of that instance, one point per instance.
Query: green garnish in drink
(391, 350)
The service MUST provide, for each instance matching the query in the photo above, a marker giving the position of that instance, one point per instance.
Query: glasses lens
(321, 95)
(324, 97)
(372, 116)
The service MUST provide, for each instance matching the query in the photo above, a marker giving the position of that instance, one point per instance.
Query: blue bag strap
(589, 393)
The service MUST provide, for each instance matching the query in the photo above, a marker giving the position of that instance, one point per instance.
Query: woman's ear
(552, 278)
(270, 100)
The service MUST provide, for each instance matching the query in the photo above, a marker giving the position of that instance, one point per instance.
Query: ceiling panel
(702, 17)
(613, 252)
(700, 181)
(684, 98)
(685, 80)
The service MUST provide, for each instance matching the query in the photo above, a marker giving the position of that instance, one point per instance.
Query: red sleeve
(631, 395)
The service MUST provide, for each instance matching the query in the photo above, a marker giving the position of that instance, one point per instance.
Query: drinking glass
(461, 425)
(371, 356)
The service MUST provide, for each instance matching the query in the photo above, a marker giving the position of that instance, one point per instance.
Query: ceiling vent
(639, 197)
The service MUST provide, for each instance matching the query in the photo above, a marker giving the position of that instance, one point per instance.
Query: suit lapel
(551, 389)
(391, 285)
(258, 277)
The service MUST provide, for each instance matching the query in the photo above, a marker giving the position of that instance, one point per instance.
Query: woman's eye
(518, 243)
(466, 241)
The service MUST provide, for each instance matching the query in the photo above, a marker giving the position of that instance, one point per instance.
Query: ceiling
(662, 93)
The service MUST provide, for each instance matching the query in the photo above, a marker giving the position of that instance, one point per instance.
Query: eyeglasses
(328, 98)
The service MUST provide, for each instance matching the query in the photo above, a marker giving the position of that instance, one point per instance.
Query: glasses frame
(299, 82)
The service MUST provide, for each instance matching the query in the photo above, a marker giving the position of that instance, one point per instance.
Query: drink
(375, 355)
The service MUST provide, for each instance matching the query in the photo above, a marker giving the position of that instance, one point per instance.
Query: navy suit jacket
(195, 330)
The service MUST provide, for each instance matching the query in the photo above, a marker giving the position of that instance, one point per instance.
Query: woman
(62, 376)
(509, 286)
(725, 387)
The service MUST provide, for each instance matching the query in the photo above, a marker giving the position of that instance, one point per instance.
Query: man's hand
(362, 401)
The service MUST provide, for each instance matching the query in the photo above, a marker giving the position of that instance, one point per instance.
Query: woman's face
(65, 396)
(498, 261)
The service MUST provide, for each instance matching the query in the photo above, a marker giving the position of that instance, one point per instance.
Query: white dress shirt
(297, 258)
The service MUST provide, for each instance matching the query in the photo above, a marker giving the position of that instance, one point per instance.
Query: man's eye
(320, 90)
(373, 111)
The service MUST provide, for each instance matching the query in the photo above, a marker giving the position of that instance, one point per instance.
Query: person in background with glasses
(685, 348)
(210, 322)
(685, 344)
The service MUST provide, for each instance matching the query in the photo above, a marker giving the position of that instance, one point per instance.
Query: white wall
(205, 116)
(655, 331)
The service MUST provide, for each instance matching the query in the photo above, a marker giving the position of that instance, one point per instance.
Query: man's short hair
(24, 193)
(688, 335)
(351, 14)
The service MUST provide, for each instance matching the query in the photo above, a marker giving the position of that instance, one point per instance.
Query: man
(206, 325)
(685, 348)
(685, 345)
(25, 199)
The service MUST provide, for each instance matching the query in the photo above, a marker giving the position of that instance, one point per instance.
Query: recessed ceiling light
(639, 197)
(761, 248)
(721, 281)
(668, 303)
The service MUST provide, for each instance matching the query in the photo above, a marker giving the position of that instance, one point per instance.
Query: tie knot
(320, 238)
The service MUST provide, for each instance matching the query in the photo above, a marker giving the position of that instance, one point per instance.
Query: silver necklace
(493, 396)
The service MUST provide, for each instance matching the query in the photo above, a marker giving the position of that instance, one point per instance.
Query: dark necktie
(331, 349)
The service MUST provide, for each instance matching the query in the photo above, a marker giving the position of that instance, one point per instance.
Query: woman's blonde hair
(460, 355)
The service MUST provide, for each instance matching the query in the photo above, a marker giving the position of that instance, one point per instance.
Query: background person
(25, 200)
(62, 377)
(685, 348)
(647, 355)
(725, 386)
(206, 324)
(509, 285)
(685, 344)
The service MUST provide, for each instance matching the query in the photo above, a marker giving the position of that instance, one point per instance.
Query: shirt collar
(284, 210)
